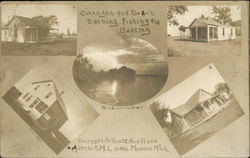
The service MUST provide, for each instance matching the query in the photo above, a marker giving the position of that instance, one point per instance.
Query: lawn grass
(65, 46)
(178, 47)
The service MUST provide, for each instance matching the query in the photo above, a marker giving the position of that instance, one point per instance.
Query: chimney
(62, 92)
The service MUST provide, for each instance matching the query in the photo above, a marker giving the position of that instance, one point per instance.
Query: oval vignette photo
(120, 70)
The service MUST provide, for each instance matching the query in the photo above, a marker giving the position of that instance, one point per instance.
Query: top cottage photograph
(204, 30)
(38, 30)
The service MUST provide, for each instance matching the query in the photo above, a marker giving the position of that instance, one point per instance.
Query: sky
(80, 112)
(195, 12)
(132, 52)
(66, 14)
(206, 78)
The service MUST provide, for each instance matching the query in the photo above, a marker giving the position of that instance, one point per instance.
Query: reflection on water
(114, 86)
(120, 92)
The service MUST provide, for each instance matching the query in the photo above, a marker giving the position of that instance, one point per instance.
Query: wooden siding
(57, 117)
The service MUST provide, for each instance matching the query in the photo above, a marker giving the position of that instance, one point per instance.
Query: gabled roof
(58, 94)
(205, 22)
(60, 100)
(199, 96)
(30, 22)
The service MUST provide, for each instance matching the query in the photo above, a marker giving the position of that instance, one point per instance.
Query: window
(29, 98)
(48, 95)
(5, 34)
(25, 95)
(213, 32)
(46, 116)
(223, 31)
(36, 87)
(231, 32)
(41, 107)
(34, 103)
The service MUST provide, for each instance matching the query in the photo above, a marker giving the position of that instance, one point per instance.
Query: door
(30, 35)
(196, 116)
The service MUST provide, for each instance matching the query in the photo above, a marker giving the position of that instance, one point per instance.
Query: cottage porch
(38, 34)
(205, 110)
(206, 33)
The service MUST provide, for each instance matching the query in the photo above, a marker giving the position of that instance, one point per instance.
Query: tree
(222, 14)
(182, 28)
(173, 11)
(221, 87)
(68, 31)
(161, 113)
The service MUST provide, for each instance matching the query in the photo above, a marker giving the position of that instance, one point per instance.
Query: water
(117, 92)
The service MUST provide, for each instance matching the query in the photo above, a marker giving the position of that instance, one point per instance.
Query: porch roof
(31, 23)
(40, 27)
(201, 22)
(192, 102)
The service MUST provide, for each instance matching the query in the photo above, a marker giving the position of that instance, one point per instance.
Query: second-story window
(29, 98)
(48, 95)
(25, 95)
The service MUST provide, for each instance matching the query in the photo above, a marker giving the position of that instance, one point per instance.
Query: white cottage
(203, 29)
(24, 29)
(43, 101)
(200, 107)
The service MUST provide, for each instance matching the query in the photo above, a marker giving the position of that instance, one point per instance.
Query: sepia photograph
(196, 109)
(30, 30)
(53, 109)
(120, 70)
(204, 30)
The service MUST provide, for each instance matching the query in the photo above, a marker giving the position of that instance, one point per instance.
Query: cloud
(124, 51)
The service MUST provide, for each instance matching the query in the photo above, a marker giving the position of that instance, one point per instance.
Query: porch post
(52, 33)
(204, 109)
(208, 34)
(31, 35)
(36, 34)
(196, 33)
(213, 32)
(180, 34)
